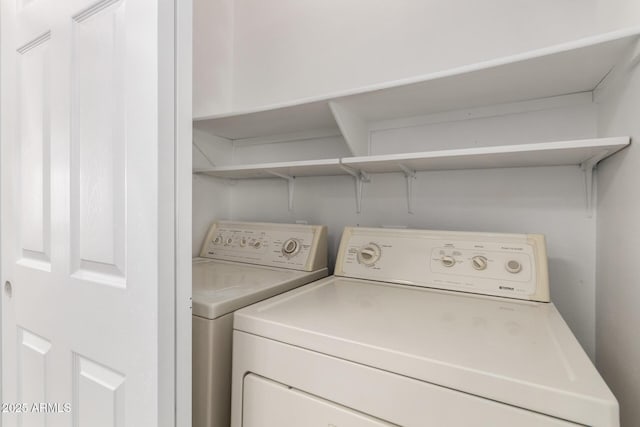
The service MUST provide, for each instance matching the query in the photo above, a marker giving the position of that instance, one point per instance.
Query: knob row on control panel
(219, 240)
(290, 248)
(369, 254)
(480, 263)
(505, 265)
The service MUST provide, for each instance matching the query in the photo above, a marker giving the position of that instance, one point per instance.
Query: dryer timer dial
(369, 254)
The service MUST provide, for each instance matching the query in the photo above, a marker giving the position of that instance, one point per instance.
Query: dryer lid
(517, 352)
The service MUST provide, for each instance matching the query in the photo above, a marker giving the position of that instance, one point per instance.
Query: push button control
(513, 266)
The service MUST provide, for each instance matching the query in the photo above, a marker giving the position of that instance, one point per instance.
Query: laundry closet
(470, 116)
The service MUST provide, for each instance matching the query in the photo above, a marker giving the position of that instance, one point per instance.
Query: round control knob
(369, 254)
(217, 240)
(479, 262)
(448, 261)
(257, 244)
(290, 247)
(513, 266)
(229, 241)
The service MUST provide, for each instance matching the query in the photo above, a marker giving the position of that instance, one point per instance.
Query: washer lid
(221, 287)
(518, 352)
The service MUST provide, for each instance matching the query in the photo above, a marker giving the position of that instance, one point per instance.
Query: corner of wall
(618, 240)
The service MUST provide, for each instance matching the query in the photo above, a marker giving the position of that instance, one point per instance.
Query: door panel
(98, 186)
(98, 393)
(80, 213)
(32, 378)
(34, 141)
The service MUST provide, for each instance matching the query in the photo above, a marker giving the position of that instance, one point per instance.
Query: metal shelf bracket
(588, 167)
(360, 178)
(291, 181)
(410, 177)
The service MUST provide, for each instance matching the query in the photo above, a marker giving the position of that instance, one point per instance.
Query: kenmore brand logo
(506, 288)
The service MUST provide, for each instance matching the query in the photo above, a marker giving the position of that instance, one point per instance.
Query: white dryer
(377, 344)
(240, 264)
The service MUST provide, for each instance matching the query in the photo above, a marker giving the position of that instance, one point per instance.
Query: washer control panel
(295, 246)
(508, 265)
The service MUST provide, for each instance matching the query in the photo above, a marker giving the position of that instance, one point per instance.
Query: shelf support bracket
(588, 167)
(410, 177)
(291, 181)
(360, 178)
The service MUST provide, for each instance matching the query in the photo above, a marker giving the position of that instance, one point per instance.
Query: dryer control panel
(294, 246)
(508, 265)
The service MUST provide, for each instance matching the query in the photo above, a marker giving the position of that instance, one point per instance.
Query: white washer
(240, 264)
(378, 345)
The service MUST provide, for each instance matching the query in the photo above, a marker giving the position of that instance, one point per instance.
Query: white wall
(212, 56)
(618, 224)
(290, 49)
(615, 14)
(552, 119)
(618, 243)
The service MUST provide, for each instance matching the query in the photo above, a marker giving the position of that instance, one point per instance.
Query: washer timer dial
(290, 247)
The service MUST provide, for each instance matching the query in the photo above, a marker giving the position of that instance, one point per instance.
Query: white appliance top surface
(220, 287)
(518, 352)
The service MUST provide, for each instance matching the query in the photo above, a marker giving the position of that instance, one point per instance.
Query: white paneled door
(81, 208)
